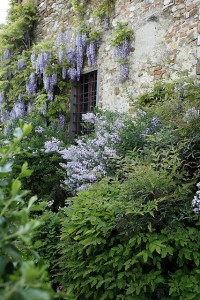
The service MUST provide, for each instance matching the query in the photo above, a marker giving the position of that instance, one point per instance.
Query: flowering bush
(91, 158)
(196, 200)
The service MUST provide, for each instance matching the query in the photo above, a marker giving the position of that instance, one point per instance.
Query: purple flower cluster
(7, 54)
(196, 200)
(123, 72)
(81, 44)
(21, 64)
(72, 73)
(18, 109)
(61, 121)
(1, 98)
(52, 146)
(90, 159)
(122, 52)
(42, 62)
(31, 85)
(39, 130)
(91, 53)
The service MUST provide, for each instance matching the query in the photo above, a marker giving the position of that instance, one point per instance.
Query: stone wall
(166, 41)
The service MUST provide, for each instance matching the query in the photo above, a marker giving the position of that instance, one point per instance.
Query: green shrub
(127, 238)
(20, 278)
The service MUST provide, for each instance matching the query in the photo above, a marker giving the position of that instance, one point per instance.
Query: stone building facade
(166, 41)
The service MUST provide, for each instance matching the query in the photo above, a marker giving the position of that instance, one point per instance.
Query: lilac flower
(89, 118)
(89, 160)
(39, 130)
(196, 200)
(155, 122)
(52, 146)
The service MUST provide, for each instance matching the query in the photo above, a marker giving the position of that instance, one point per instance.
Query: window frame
(74, 91)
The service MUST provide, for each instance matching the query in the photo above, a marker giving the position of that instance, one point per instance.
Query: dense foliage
(135, 235)
(20, 277)
(119, 209)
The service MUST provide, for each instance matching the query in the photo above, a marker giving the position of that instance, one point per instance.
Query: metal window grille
(84, 100)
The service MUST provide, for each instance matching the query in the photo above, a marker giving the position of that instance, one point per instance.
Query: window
(84, 99)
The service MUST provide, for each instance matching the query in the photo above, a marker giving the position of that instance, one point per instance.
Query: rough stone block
(198, 67)
(198, 52)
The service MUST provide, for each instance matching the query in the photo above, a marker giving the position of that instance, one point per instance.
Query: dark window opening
(84, 100)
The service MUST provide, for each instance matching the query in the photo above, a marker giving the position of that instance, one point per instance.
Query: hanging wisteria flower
(72, 73)
(72, 55)
(1, 98)
(7, 54)
(123, 50)
(91, 53)
(42, 62)
(21, 64)
(50, 96)
(64, 73)
(61, 121)
(18, 109)
(81, 43)
(33, 60)
(123, 72)
(196, 200)
(31, 85)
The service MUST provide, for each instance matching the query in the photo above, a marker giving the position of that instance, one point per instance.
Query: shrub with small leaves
(19, 278)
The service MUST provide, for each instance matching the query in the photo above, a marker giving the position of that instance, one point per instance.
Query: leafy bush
(129, 237)
(19, 278)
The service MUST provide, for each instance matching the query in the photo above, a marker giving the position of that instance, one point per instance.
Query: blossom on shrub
(196, 200)
(191, 114)
(52, 146)
(90, 159)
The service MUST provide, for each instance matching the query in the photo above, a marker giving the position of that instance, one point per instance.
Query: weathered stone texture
(166, 41)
